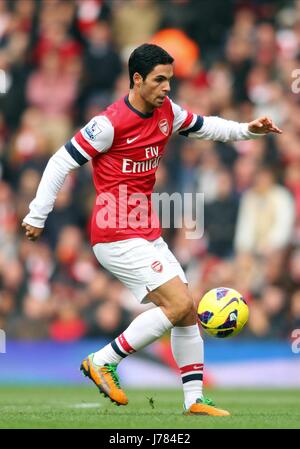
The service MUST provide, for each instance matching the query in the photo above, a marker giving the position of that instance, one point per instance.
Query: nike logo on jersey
(132, 140)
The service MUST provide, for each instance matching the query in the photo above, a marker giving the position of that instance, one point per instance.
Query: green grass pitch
(77, 407)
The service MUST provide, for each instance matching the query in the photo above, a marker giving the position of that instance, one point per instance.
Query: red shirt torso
(127, 168)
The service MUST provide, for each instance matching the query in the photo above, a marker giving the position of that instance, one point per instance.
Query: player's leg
(131, 261)
(143, 267)
(186, 341)
(187, 344)
(174, 304)
(144, 329)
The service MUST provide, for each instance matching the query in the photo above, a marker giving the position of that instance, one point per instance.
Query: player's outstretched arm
(219, 129)
(216, 128)
(58, 167)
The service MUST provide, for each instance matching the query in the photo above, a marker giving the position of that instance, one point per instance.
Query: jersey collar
(140, 114)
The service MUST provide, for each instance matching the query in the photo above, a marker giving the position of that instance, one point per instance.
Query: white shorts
(139, 264)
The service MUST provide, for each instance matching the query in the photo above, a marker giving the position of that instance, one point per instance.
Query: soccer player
(125, 143)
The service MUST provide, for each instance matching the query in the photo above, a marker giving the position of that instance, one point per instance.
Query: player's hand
(31, 232)
(263, 125)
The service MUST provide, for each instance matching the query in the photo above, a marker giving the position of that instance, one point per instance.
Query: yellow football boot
(205, 407)
(105, 377)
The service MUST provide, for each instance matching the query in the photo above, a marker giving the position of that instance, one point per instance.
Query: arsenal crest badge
(164, 126)
(157, 266)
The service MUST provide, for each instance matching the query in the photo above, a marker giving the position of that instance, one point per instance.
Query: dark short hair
(144, 58)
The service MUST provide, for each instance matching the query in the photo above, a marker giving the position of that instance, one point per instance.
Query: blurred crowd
(62, 62)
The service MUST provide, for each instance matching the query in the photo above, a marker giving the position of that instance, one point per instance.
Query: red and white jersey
(126, 147)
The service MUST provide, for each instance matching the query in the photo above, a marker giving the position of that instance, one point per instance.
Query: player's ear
(138, 79)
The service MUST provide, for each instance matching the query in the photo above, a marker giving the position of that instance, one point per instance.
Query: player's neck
(139, 103)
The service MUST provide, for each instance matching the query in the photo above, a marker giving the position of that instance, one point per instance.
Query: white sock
(187, 348)
(144, 329)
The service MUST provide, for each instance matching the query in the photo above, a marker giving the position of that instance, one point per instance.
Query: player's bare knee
(176, 302)
(184, 307)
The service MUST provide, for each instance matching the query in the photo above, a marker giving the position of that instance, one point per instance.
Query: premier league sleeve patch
(91, 130)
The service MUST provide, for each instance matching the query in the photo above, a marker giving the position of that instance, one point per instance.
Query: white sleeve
(59, 165)
(209, 128)
(94, 138)
(216, 128)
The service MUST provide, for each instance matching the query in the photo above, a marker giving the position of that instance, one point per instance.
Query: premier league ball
(223, 312)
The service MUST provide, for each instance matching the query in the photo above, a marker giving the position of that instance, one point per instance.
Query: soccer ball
(223, 312)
